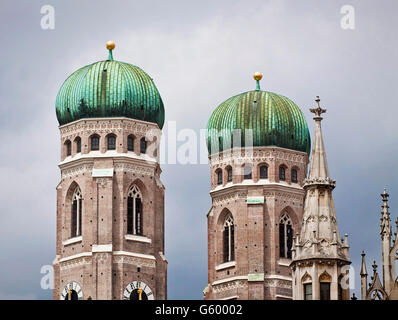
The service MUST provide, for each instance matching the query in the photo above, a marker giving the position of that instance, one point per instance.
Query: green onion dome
(109, 89)
(274, 120)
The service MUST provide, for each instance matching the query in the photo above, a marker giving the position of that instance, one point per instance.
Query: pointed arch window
(134, 211)
(229, 239)
(282, 173)
(111, 142)
(285, 237)
(76, 215)
(294, 176)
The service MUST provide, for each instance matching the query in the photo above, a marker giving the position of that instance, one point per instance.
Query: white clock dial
(72, 291)
(138, 290)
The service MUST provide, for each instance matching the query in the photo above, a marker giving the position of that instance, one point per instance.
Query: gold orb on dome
(110, 45)
(257, 76)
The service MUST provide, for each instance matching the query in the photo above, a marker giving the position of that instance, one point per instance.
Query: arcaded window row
(94, 144)
(262, 170)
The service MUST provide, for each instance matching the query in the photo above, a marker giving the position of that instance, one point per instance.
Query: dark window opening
(294, 176)
(78, 145)
(111, 142)
(143, 145)
(325, 291)
(282, 174)
(130, 144)
(263, 172)
(68, 148)
(94, 143)
(219, 177)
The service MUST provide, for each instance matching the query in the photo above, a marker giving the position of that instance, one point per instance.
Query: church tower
(110, 200)
(319, 255)
(258, 145)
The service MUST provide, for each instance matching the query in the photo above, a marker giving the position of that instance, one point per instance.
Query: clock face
(72, 291)
(138, 290)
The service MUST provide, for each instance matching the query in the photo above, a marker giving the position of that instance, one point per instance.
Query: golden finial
(258, 76)
(110, 45)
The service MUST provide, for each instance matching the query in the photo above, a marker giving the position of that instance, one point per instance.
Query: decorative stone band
(110, 125)
(327, 182)
(256, 156)
(308, 261)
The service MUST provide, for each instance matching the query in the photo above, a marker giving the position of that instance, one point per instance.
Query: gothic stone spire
(320, 234)
(319, 250)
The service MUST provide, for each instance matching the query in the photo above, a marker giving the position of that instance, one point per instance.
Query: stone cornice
(325, 182)
(85, 165)
(240, 192)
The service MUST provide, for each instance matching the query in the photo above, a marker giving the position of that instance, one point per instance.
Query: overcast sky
(199, 53)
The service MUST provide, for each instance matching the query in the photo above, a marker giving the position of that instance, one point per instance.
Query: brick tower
(110, 200)
(258, 144)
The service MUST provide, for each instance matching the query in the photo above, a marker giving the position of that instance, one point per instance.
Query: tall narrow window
(68, 148)
(247, 172)
(134, 211)
(263, 172)
(143, 145)
(130, 143)
(282, 173)
(219, 177)
(76, 213)
(285, 237)
(229, 174)
(294, 176)
(324, 291)
(111, 142)
(229, 239)
(94, 143)
(308, 291)
(78, 144)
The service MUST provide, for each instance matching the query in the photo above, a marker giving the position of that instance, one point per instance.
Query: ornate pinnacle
(385, 195)
(363, 265)
(318, 110)
(385, 221)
